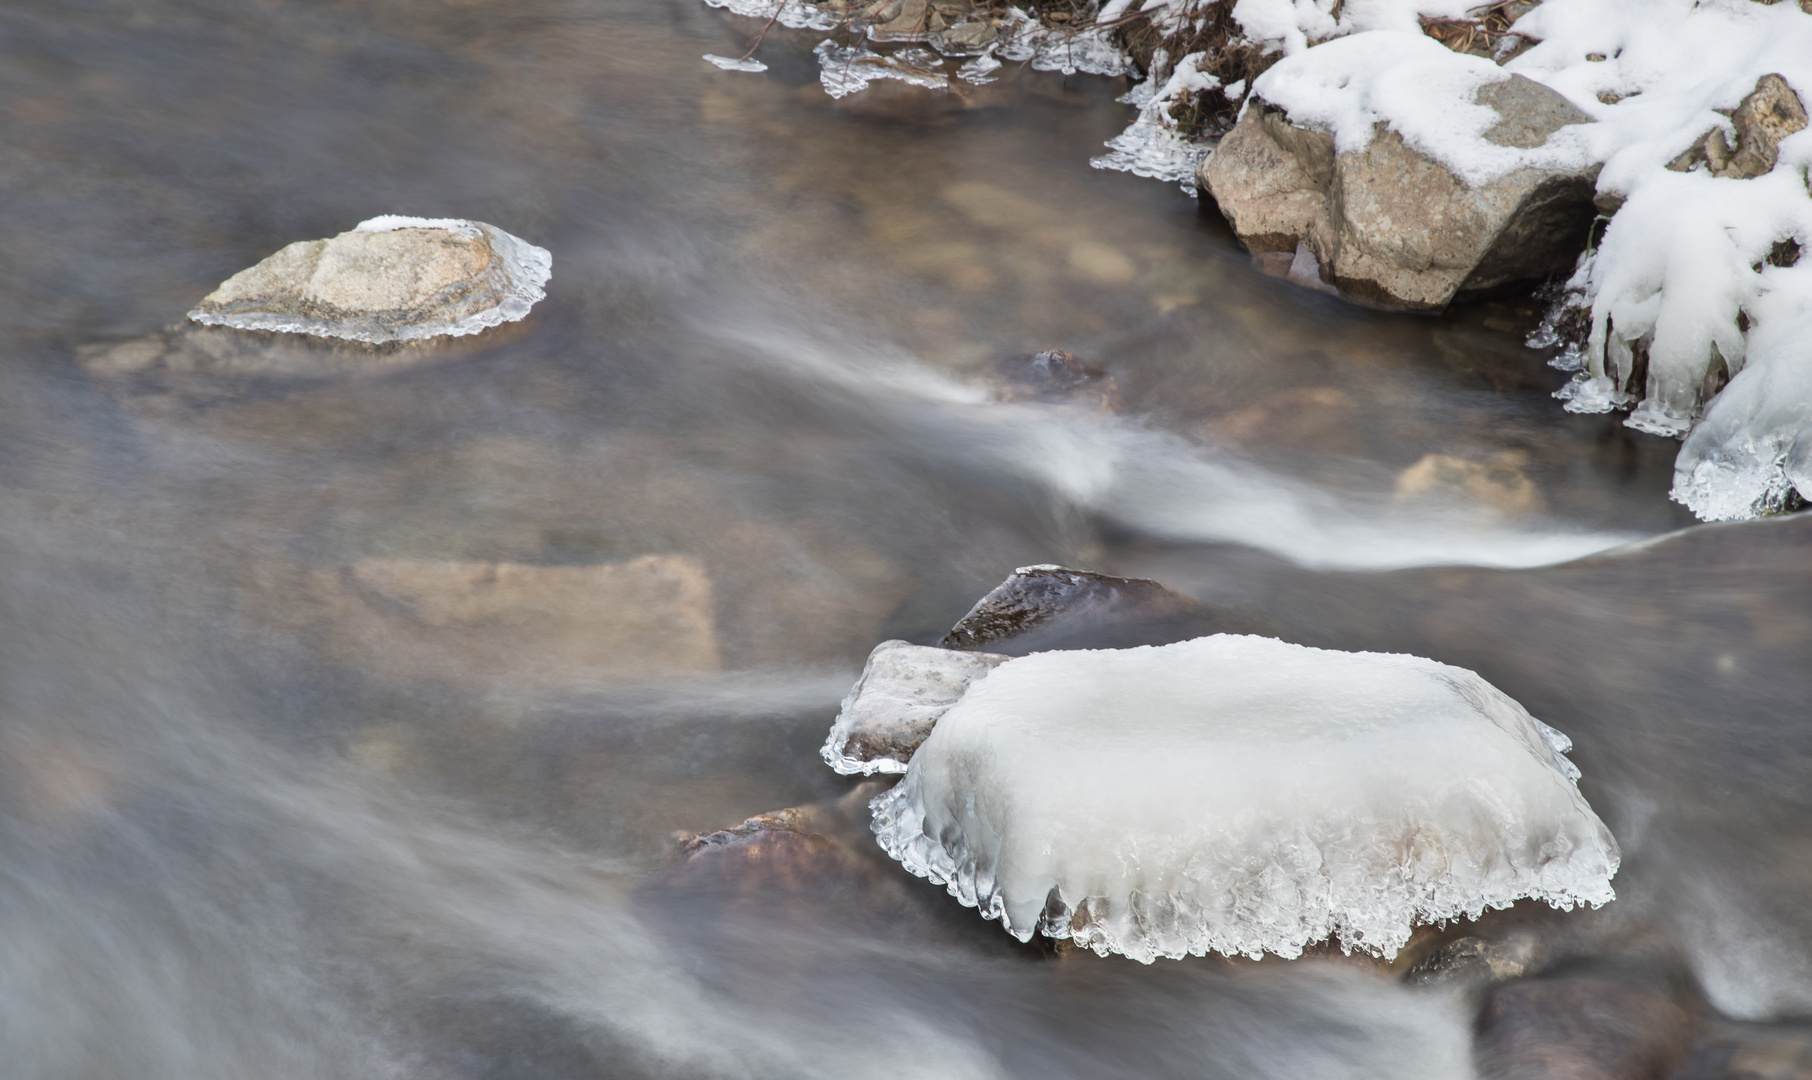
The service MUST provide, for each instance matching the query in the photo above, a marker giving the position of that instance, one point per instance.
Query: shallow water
(265, 813)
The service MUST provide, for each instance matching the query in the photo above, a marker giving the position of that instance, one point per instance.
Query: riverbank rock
(1392, 227)
(388, 279)
(1770, 113)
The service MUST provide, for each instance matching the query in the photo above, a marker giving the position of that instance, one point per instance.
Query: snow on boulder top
(391, 278)
(1242, 795)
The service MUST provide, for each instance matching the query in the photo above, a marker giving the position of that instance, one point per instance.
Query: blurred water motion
(347, 719)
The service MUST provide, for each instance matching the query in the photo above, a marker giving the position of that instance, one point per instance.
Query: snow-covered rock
(1389, 223)
(389, 279)
(1695, 292)
(1241, 795)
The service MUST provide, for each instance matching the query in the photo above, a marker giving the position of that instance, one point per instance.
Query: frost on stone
(1241, 795)
(391, 278)
(903, 691)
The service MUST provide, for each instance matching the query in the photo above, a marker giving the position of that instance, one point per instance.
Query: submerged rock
(1391, 226)
(1054, 375)
(389, 279)
(489, 622)
(903, 691)
(1580, 1028)
(1241, 795)
(1054, 607)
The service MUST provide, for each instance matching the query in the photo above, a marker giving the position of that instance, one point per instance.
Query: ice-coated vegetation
(1242, 795)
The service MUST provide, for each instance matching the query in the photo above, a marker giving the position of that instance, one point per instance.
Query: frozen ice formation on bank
(1696, 294)
(845, 69)
(389, 279)
(1241, 795)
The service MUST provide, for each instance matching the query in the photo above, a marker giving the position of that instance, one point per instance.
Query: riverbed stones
(502, 623)
(1052, 376)
(388, 279)
(1770, 113)
(1394, 228)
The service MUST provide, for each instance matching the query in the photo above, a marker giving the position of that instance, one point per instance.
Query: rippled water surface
(279, 797)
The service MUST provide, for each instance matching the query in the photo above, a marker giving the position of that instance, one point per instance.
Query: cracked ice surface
(1242, 795)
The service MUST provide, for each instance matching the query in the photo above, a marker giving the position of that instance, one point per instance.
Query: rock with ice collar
(1241, 795)
(388, 279)
(1393, 227)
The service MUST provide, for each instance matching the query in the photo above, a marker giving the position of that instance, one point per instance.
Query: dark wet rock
(1054, 375)
(1392, 227)
(1770, 113)
(1053, 607)
(388, 279)
(903, 691)
(1469, 966)
(1580, 1027)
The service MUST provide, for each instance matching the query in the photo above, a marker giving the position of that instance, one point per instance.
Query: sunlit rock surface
(1242, 795)
(389, 279)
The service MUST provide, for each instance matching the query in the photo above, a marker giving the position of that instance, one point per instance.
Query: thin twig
(772, 19)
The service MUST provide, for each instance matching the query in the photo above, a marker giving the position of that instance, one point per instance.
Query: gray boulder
(1394, 228)
(388, 279)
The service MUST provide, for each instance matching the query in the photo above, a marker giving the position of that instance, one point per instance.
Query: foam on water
(1242, 795)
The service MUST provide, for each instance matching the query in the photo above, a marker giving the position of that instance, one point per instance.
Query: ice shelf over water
(1242, 795)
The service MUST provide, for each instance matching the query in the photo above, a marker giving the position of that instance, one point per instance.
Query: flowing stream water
(269, 807)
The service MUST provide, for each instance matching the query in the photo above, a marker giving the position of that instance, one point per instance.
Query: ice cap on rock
(1241, 795)
(390, 278)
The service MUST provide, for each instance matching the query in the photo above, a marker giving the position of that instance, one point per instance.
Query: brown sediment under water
(351, 699)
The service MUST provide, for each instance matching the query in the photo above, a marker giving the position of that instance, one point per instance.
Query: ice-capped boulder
(389, 279)
(1241, 795)
(1395, 209)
